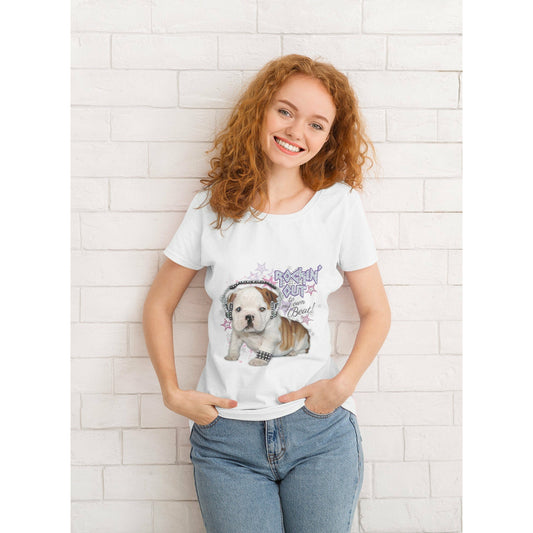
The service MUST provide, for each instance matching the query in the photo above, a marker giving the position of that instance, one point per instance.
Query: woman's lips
(285, 150)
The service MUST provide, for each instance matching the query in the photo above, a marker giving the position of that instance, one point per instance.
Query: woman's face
(297, 122)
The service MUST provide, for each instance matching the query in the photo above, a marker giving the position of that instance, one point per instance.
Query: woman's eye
(317, 126)
(284, 112)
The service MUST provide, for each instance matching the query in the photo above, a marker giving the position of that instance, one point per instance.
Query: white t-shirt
(269, 339)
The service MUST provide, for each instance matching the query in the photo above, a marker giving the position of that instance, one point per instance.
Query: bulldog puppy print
(255, 322)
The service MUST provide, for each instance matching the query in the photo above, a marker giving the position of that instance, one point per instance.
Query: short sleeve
(185, 247)
(357, 249)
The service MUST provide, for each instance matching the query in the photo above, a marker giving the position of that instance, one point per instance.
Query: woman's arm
(375, 318)
(165, 293)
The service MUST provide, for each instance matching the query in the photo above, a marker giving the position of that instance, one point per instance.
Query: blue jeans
(299, 473)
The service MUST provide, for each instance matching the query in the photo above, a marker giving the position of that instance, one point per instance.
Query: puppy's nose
(249, 318)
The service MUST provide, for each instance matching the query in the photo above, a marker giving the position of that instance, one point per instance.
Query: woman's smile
(287, 147)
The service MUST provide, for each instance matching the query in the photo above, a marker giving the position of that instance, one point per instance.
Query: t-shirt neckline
(286, 216)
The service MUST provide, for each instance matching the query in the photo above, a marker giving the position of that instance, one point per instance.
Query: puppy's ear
(232, 296)
(268, 295)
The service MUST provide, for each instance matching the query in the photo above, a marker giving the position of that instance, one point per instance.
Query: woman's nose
(294, 131)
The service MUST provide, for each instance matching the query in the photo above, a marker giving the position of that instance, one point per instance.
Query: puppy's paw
(231, 357)
(258, 362)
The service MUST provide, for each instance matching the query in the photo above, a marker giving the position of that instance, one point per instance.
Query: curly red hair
(238, 172)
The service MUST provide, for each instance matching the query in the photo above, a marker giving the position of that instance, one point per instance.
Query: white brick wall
(151, 82)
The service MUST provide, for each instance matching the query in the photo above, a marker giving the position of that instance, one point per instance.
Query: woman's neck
(283, 183)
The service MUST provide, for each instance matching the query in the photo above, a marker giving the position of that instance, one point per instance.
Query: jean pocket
(211, 424)
(306, 409)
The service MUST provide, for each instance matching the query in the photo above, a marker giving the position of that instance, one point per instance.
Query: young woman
(275, 442)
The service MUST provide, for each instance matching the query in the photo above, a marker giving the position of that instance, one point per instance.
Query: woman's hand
(198, 406)
(322, 397)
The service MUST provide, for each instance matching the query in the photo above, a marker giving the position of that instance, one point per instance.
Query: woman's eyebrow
(296, 109)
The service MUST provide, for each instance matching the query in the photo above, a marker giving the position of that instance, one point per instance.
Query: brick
(75, 231)
(169, 16)
(113, 268)
(168, 514)
(350, 52)
(110, 15)
(375, 122)
(455, 266)
(433, 443)
(163, 51)
(90, 50)
(128, 231)
(412, 16)
(405, 408)
(119, 517)
(95, 447)
(450, 125)
(419, 160)
(86, 483)
(247, 52)
(99, 411)
(179, 160)
(413, 267)
(393, 195)
(103, 159)
(209, 89)
(149, 482)
(89, 194)
(410, 338)
(152, 195)
(425, 302)
(75, 304)
(190, 339)
(145, 124)
(385, 229)
(124, 88)
(431, 230)
(309, 16)
(405, 89)
(446, 478)
(443, 195)
(402, 515)
(420, 373)
(383, 443)
(75, 408)
(451, 337)
(91, 375)
(149, 446)
(424, 52)
(112, 304)
(411, 125)
(401, 480)
(99, 340)
(135, 375)
(458, 408)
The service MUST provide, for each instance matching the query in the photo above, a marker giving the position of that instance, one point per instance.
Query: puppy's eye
(262, 309)
(238, 309)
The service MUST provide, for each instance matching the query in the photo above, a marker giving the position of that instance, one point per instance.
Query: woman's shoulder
(340, 191)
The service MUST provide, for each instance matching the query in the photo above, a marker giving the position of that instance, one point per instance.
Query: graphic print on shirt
(266, 314)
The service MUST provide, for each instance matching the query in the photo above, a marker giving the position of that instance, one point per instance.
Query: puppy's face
(251, 309)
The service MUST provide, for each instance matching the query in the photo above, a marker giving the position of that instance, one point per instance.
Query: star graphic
(261, 268)
(305, 319)
(226, 324)
(311, 289)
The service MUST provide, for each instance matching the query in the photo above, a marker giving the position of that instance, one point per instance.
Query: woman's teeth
(287, 146)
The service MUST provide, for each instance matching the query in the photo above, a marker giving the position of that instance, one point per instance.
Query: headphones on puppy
(228, 306)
